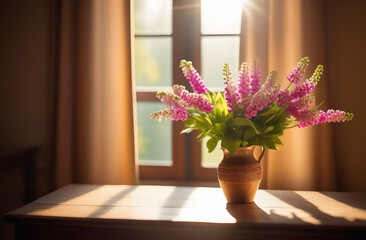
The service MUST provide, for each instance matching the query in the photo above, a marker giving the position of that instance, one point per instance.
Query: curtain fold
(280, 33)
(95, 140)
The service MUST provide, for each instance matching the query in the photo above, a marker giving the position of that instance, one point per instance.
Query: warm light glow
(221, 16)
(153, 17)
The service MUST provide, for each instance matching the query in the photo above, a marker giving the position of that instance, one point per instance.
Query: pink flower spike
(231, 95)
(169, 99)
(303, 89)
(162, 114)
(299, 105)
(264, 97)
(283, 97)
(309, 118)
(296, 74)
(337, 116)
(255, 76)
(197, 101)
(194, 78)
(244, 87)
(178, 89)
(180, 114)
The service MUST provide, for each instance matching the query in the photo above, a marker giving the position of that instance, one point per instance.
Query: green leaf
(220, 104)
(245, 122)
(211, 144)
(201, 136)
(220, 129)
(248, 133)
(268, 112)
(269, 143)
(278, 131)
(187, 130)
(232, 143)
(277, 140)
(268, 129)
(189, 121)
(210, 96)
(279, 117)
(200, 123)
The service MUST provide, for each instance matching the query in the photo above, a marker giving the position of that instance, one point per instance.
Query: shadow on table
(344, 197)
(296, 200)
(252, 213)
(176, 199)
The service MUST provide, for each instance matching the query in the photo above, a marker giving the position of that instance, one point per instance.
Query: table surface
(121, 203)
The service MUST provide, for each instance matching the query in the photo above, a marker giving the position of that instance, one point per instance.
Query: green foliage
(237, 131)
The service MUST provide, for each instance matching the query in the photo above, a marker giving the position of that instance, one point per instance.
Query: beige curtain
(95, 113)
(280, 33)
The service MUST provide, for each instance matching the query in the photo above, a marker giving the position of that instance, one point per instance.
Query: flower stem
(289, 85)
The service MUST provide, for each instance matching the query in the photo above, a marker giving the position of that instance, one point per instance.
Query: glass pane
(153, 61)
(221, 16)
(154, 138)
(211, 160)
(226, 51)
(153, 16)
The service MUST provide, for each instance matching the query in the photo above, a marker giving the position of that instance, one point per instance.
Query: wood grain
(293, 212)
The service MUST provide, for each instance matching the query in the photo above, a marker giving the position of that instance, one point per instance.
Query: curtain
(279, 33)
(95, 140)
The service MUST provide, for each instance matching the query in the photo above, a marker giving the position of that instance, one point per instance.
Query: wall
(26, 83)
(347, 80)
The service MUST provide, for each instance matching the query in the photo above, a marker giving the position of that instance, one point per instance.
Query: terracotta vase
(240, 174)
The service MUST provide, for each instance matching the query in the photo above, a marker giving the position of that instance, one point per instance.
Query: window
(167, 31)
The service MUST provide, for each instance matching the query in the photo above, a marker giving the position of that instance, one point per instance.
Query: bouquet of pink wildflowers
(246, 113)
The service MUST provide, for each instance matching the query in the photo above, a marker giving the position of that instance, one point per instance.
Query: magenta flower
(296, 74)
(197, 101)
(309, 84)
(193, 77)
(231, 95)
(312, 117)
(169, 99)
(180, 114)
(264, 97)
(244, 87)
(303, 89)
(178, 89)
(299, 105)
(309, 118)
(255, 76)
(336, 116)
(283, 97)
(162, 114)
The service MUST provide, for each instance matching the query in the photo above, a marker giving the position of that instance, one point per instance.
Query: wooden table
(166, 212)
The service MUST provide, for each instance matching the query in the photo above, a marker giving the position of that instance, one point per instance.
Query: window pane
(153, 16)
(153, 61)
(226, 51)
(154, 138)
(211, 159)
(221, 16)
